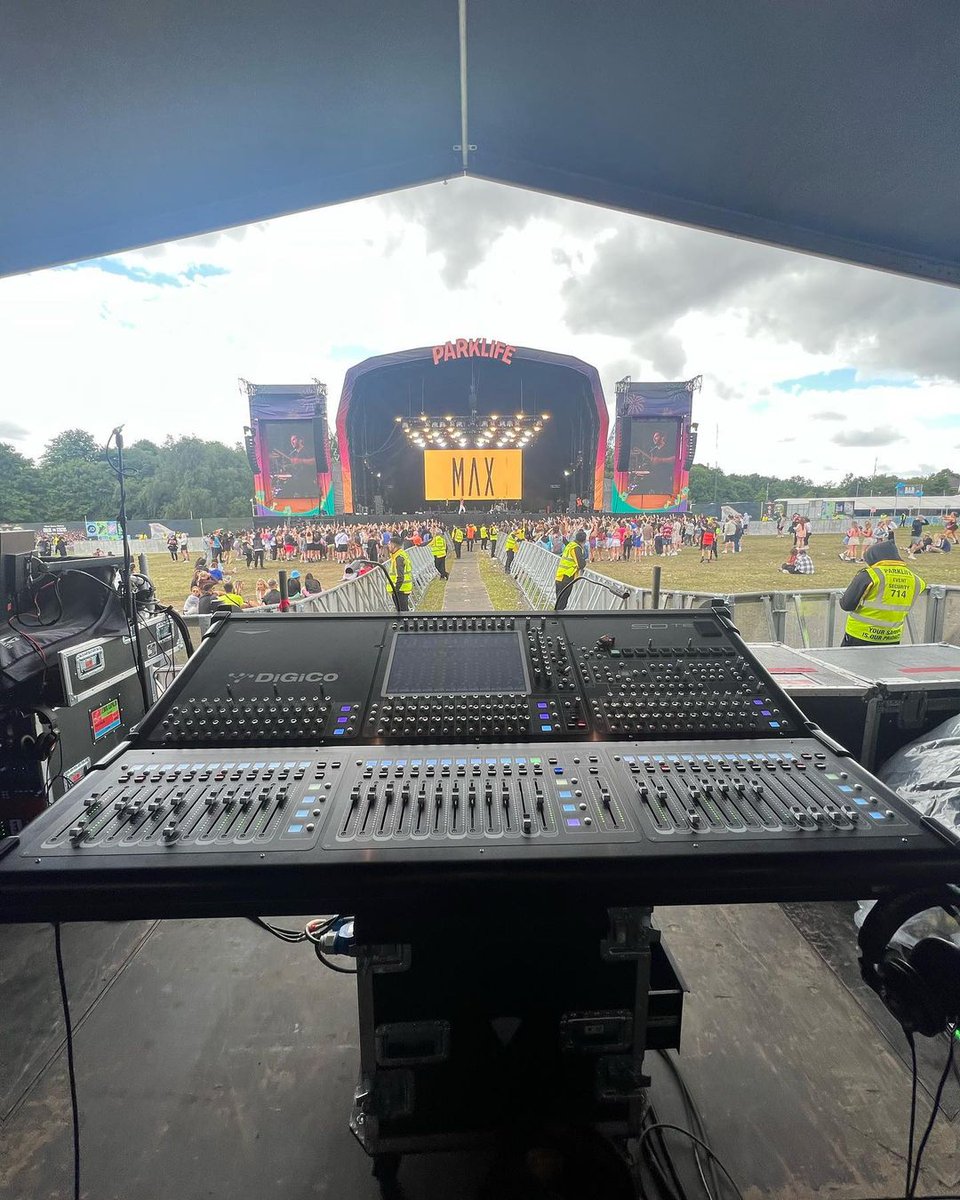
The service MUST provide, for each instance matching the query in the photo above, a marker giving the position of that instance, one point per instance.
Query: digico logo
(285, 677)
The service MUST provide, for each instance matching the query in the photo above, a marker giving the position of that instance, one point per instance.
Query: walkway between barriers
(465, 591)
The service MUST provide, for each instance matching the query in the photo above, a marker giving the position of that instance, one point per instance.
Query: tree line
(72, 479)
(710, 484)
(189, 477)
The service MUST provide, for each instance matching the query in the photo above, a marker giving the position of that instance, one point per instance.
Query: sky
(809, 367)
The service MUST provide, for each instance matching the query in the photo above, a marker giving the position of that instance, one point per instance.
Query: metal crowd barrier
(801, 619)
(367, 593)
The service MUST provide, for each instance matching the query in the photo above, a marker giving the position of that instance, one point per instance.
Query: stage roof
(823, 125)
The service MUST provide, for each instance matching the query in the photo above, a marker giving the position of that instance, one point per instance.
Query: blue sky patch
(843, 379)
(112, 266)
(354, 353)
(203, 271)
(944, 421)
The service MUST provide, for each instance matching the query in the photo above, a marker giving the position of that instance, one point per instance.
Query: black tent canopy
(829, 126)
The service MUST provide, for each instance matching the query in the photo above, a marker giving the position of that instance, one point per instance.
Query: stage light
(544, 416)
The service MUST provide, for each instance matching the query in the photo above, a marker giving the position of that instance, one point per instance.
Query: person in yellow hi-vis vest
(400, 571)
(879, 597)
(457, 538)
(438, 548)
(483, 537)
(512, 546)
(494, 538)
(572, 562)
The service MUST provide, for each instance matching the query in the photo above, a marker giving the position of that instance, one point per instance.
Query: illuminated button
(574, 822)
(294, 829)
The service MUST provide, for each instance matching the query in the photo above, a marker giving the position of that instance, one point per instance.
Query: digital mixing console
(562, 677)
(635, 758)
(204, 834)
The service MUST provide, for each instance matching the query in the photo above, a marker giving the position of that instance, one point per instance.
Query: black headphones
(920, 986)
(35, 747)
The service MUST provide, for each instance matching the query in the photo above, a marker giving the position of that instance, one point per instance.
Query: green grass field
(172, 580)
(753, 570)
(432, 598)
(504, 594)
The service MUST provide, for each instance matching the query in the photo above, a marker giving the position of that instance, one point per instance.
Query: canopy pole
(465, 146)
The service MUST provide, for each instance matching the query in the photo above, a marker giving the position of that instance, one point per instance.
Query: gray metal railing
(367, 593)
(801, 619)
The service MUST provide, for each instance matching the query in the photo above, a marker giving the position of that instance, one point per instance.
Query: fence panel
(801, 619)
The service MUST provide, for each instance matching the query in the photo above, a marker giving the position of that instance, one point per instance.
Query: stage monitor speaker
(14, 544)
(623, 443)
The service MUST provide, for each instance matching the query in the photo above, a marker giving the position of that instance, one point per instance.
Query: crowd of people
(604, 539)
(356, 546)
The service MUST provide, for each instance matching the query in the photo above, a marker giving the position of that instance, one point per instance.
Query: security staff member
(879, 597)
(572, 562)
(513, 545)
(400, 571)
(457, 536)
(494, 538)
(483, 537)
(438, 548)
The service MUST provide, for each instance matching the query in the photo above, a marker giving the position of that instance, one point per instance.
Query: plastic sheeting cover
(926, 774)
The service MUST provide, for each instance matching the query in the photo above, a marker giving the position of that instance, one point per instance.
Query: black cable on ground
(695, 1117)
(657, 1125)
(663, 1157)
(71, 1072)
(285, 935)
(913, 1107)
(933, 1115)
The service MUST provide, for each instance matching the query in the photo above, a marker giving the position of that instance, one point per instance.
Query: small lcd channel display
(105, 719)
(460, 663)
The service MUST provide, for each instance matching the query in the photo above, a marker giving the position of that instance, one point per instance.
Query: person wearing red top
(707, 543)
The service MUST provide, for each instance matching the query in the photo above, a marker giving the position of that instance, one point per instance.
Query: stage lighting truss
(474, 431)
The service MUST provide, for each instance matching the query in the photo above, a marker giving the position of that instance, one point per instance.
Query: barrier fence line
(801, 619)
(368, 593)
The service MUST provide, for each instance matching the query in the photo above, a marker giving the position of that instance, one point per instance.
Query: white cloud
(307, 295)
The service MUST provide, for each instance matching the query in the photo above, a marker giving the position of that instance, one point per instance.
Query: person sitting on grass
(798, 564)
(192, 603)
(208, 597)
(930, 545)
(232, 596)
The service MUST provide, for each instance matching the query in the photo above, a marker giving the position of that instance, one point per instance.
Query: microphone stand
(393, 587)
(622, 596)
(129, 605)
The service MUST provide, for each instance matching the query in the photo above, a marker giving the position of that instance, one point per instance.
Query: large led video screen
(473, 475)
(287, 447)
(650, 449)
(292, 461)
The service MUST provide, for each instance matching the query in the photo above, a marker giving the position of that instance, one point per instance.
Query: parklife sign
(472, 474)
(473, 348)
